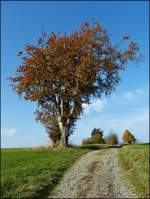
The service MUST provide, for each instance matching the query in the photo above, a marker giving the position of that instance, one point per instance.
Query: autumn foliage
(61, 72)
(111, 139)
(128, 137)
(97, 136)
(87, 141)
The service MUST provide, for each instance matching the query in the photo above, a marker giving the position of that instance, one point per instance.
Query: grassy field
(135, 161)
(33, 172)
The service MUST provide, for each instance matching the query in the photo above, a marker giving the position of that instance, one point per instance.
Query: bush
(87, 141)
(111, 139)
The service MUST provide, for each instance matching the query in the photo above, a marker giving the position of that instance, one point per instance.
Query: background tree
(61, 72)
(97, 136)
(112, 139)
(128, 137)
(133, 139)
(87, 141)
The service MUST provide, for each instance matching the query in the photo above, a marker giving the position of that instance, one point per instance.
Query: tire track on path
(95, 175)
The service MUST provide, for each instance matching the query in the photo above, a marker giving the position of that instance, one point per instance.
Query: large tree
(61, 72)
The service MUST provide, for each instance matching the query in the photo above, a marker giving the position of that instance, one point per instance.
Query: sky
(127, 107)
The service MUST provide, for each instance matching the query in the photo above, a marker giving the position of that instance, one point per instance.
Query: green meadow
(33, 172)
(134, 159)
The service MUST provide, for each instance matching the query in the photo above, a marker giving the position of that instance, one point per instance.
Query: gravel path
(95, 175)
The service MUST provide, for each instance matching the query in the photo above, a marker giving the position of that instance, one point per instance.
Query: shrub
(87, 141)
(111, 139)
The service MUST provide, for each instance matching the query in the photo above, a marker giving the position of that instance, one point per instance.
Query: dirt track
(95, 175)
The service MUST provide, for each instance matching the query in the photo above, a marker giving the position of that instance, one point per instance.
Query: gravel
(95, 175)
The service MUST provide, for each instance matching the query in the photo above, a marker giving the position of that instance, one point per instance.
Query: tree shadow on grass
(45, 191)
(116, 146)
(99, 147)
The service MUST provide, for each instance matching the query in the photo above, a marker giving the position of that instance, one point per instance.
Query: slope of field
(134, 159)
(30, 173)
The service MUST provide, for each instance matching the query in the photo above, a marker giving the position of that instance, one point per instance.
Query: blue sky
(127, 108)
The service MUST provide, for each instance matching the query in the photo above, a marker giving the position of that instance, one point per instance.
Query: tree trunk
(63, 127)
(63, 139)
(67, 141)
(63, 133)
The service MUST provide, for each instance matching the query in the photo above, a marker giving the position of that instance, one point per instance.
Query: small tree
(133, 139)
(53, 131)
(52, 127)
(111, 139)
(97, 136)
(128, 137)
(61, 72)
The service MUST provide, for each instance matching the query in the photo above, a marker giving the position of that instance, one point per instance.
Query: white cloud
(140, 118)
(139, 91)
(133, 95)
(8, 132)
(129, 96)
(96, 105)
(137, 122)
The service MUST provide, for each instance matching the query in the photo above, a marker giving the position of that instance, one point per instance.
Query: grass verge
(134, 159)
(30, 173)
